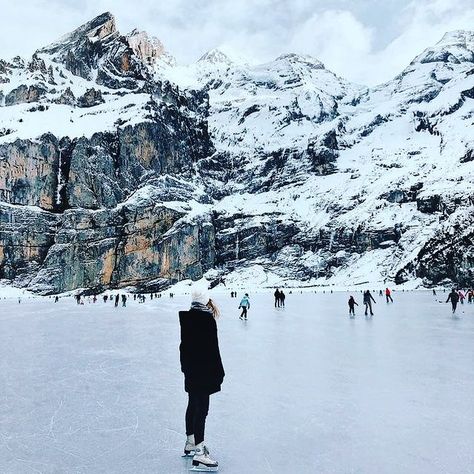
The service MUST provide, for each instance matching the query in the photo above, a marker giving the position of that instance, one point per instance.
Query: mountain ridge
(119, 167)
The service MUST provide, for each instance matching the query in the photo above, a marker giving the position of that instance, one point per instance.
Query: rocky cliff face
(118, 167)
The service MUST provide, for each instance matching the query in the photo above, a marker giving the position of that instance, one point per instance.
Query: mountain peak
(94, 30)
(216, 56)
(301, 59)
(148, 48)
(98, 46)
(458, 37)
(454, 47)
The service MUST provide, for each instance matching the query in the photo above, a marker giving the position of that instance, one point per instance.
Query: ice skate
(202, 462)
(189, 447)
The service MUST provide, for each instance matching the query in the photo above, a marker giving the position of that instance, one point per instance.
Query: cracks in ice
(52, 421)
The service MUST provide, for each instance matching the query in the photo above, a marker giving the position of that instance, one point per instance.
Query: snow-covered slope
(279, 172)
(91, 80)
(267, 107)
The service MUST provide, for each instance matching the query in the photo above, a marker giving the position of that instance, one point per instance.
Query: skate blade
(190, 455)
(204, 469)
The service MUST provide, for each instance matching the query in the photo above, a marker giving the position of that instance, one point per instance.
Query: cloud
(366, 41)
(422, 24)
(357, 51)
(338, 39)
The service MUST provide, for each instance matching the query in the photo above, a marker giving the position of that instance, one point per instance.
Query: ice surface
(94, 389)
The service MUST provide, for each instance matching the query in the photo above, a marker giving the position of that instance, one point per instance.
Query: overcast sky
(367, 41)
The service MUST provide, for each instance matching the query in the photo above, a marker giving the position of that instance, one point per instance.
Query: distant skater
(470, 296)
(388, 295)
(124, 300)
(245, 306)
(352, 302)
(282, 298)
(277, 298)
(454, 298)
(368, 299)
(434, 292)
(117, 297)
(203, 372)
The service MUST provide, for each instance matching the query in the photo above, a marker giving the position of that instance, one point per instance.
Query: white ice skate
(202, 462)
(189, 447)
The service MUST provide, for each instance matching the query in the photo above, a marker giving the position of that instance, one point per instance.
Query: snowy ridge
(306, 176)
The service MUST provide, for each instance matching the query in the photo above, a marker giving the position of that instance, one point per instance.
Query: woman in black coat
(203, 371)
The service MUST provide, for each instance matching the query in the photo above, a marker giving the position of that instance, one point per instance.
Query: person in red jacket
(388, 295)
(203, 372)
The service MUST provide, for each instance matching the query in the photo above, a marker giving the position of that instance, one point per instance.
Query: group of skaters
(458, 296)
(279, 298)
(244, 304)
(117, 299)
(368, 299)
(455, 296)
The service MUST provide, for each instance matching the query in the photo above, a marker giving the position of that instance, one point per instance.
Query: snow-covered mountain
(119, 167)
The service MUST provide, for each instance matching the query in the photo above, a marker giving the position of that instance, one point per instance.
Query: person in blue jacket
(245, 305)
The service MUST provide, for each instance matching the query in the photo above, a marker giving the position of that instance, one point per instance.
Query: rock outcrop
(118, 169)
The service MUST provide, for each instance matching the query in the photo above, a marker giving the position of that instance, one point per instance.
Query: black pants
(198, 407)
(244, 312)
(454, 305)
(351, 310)
(389, 298)
(368, 305)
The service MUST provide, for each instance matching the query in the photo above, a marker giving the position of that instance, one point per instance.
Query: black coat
(199, 352)
(453, 296)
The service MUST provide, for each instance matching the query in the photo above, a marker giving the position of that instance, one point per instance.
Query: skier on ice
(203, 373)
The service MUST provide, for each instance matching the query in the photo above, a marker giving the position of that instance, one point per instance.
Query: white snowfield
(98, 389)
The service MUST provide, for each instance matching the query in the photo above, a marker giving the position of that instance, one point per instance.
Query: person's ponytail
(214, 309)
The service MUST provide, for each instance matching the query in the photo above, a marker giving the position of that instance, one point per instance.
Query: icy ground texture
(93, 389)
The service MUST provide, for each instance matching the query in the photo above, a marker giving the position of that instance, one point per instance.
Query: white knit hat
(200, 295)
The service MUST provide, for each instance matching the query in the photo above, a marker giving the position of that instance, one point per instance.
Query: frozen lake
(97, 389)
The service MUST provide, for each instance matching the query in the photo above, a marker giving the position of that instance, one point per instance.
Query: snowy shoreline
(185, 288)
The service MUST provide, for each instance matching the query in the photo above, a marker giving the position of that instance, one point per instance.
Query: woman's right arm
(184, 356)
